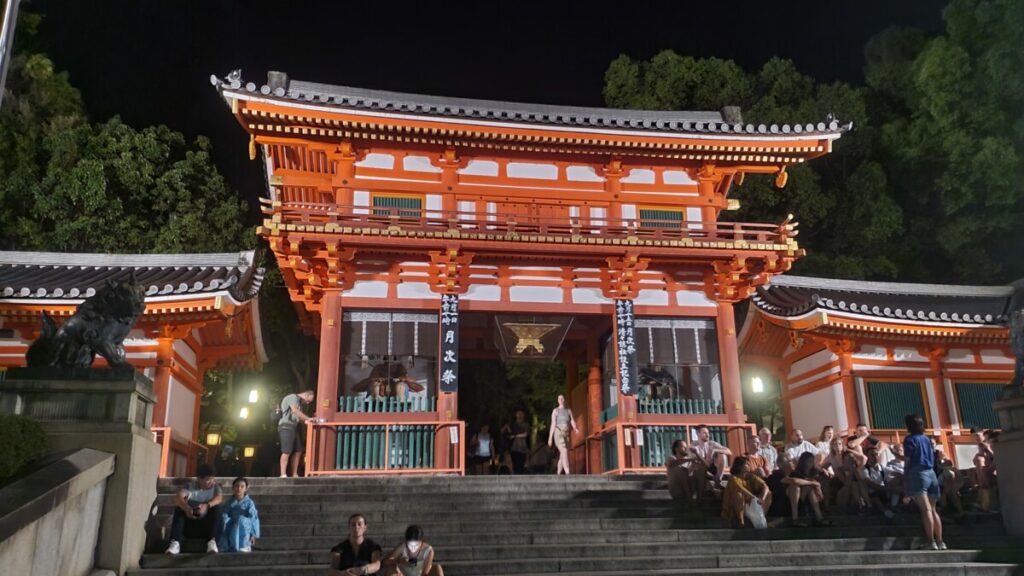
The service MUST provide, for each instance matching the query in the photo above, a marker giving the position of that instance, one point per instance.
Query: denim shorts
(923, 482)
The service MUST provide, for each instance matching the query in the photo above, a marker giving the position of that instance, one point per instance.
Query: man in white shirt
(771, 455)
(713, 458)
(797, 446)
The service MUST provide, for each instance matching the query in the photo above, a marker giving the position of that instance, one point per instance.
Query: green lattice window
(892, 401)
(658, 218)
(975, 400)
(408, 206)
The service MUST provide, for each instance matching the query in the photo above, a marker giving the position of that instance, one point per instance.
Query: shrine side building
(849, 352)
(589, 235)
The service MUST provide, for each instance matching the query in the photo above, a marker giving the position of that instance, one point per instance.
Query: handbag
(755, 514)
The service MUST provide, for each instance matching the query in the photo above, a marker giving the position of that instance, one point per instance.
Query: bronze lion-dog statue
(99, 326)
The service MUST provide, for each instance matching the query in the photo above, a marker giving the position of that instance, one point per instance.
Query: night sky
(150, 61)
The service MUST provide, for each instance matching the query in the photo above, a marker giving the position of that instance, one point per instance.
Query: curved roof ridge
(906, 288)
(85, 260)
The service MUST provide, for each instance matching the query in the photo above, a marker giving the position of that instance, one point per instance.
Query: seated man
(744, 487)
(894, 476)
(713, 459)
(197, 509)
(356, 555)
(680, 476)
(797, 446)
(873, 479)
(756, 461)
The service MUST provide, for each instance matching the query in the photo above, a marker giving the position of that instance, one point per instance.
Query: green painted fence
(386, 404)
(609, 413)
(658, 442)
(680, 406)
(892, 401)
(363, 447)
(975, 400)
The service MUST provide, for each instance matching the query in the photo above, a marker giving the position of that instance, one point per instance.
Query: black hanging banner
(449, 363)
(625, 346)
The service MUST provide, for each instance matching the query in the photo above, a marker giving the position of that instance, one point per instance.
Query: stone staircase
(541, 525)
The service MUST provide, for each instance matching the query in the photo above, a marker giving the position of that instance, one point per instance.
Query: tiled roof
(894, 302)
(56, 275)
(398, 103)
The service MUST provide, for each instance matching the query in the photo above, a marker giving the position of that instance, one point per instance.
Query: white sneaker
(174, 547)
(941, 545)
(283, 476)
(211, 546)
(889, 514)
(245, 549)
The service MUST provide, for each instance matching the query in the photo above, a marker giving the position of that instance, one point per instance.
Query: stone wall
(50, 520)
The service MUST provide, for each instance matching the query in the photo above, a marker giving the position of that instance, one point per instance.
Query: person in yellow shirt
(744, 486)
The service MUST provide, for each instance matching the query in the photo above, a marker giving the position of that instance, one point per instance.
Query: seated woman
(241, 520)
(804, 483)
(744, 487)
(842, 468)
(950, 483)
(413, 558)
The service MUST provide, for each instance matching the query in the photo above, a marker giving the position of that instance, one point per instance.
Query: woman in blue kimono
(241, 521)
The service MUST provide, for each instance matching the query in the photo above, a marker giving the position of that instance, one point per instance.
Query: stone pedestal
(107, 410)
(1009, 450)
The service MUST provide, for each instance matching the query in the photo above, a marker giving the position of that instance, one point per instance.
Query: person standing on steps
(922, 486)
(357, 555)
(293, 440)
(562, 425)
(518, 434)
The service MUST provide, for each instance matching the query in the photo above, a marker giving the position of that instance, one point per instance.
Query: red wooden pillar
(706, 191)
(327, 376)
(594, 416)
(162, 382)
(729, 364)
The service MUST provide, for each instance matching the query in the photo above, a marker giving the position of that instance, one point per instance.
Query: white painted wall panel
(677, 177)
(811, 412)
(377, 160)
(548, 294)
(185, 352)
(639, 176)
(483, 293)
(694, 298)
(480, 168)
(582, 174)
(652, 298)
(588, 296)
(995, 357)
(816, 360)
(419, 164)
(368, 289)
(181, 407)
(416, 290)
(531, 170)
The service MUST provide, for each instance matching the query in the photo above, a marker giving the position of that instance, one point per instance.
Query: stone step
(577, 559)
(931, 569)
(475, 498)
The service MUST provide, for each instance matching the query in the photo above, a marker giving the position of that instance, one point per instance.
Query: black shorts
(292, 440)
(481, 459)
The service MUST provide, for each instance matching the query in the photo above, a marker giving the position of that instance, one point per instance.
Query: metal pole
(7, 41)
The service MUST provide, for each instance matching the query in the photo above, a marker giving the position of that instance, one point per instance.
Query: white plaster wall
(995, 357)
(181, 406)
(588, 296)
(360, 198)
(483, 292)
(419, 164)
(816, 360)
(185, 352)
(433, 202)
(694, 298)
(628, 212)
(639, 176)
(582, 174)
(549, 294)
(416, 290)
(377, 160)
(959, 356)
(530, 170)
(652, 298)
(933, 406)
(871, 353)
(908, 355)
(677, 177)
(811, 412)
(368, 289)
(694, 218)
(480, 168)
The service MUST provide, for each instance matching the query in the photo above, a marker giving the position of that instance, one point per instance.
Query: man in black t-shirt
(357, 555)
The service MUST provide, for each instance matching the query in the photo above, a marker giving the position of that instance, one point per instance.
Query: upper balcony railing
(525, 220)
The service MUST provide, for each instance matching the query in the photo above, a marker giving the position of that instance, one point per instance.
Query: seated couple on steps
(358, 555)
